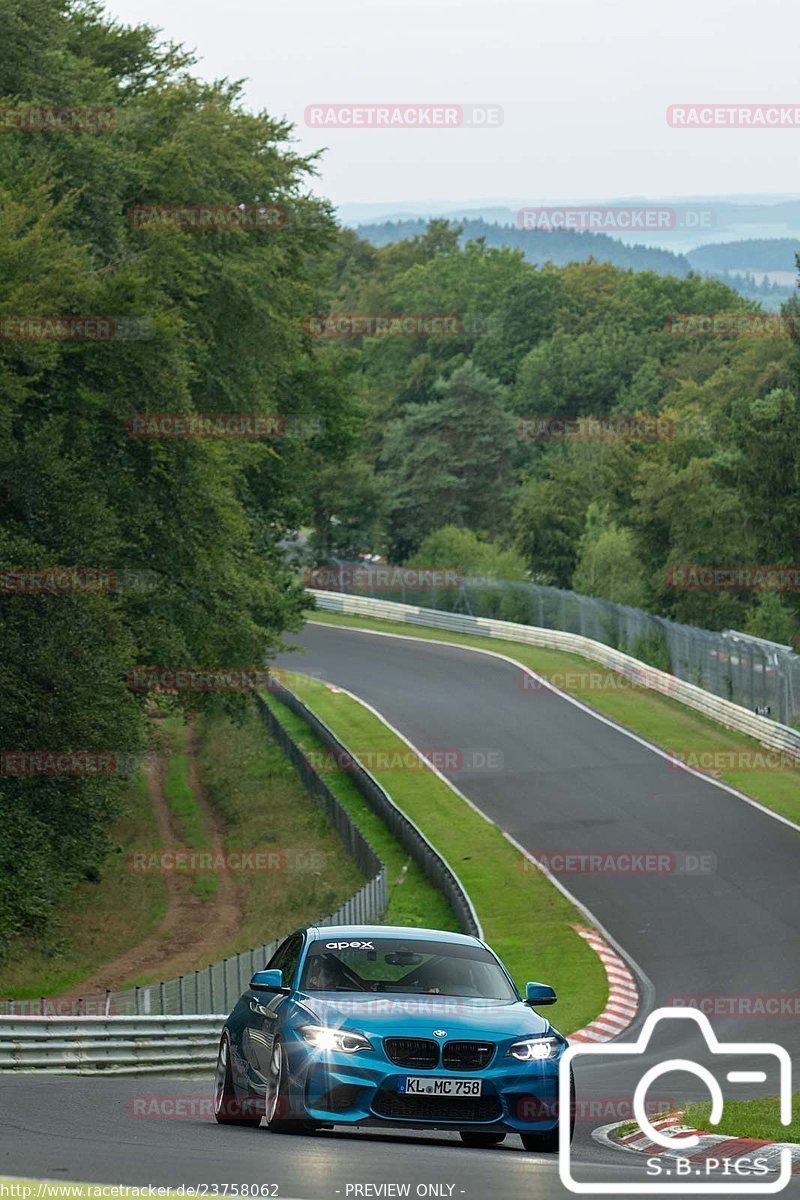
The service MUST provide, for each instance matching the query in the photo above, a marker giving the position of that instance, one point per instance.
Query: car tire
(470, 1138)
(229, 1108)
(277, 1097)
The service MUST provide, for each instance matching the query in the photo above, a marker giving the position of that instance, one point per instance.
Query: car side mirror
(269, 981)
(538, 994)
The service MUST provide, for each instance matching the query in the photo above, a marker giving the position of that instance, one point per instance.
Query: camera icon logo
(740, 1050)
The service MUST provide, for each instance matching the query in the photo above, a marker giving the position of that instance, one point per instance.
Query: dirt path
(193, 932)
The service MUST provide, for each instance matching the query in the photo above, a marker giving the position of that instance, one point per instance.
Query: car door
(264, 1015)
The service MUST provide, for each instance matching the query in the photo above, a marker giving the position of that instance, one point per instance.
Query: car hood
(401, 1015)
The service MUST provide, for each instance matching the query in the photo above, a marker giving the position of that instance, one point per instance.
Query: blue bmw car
(380, 1025)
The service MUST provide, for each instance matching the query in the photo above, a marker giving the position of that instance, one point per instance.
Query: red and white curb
(709, 1146)
(623, 994)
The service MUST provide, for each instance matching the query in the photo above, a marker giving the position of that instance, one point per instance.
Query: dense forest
(183, 533)
(448, 471)
(417, 447)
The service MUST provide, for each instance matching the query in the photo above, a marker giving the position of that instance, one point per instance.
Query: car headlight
(535, 1049)
(322, 1037)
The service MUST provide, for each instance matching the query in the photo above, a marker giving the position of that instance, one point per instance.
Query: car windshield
(408, 967)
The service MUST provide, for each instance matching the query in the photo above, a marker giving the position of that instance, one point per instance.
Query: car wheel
(481, 1139)
(229, 1108)
(277, 1098)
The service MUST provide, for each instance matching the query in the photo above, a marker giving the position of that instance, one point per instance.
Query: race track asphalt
(558, 780)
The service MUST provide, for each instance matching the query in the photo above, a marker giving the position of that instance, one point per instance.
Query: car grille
(467, 1056)
(412, 1052)
(436, 1108)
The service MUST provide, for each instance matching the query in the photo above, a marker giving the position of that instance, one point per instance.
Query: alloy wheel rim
(222, 1072)
(273, 1090)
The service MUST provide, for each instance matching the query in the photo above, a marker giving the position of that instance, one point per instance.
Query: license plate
(427, 1085)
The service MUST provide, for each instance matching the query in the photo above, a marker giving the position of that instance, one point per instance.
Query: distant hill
(755, 254)
(747, 266)
(721, 218)
(540, 246)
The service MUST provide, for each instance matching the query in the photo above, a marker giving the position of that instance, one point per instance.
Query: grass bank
(524, 917)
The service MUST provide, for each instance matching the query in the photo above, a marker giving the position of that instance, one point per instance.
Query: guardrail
(109, 1045)
(411, 837)
(733, 716)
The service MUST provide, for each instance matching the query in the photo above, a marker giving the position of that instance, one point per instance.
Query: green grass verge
(413, 900)
(264, 806)
(95, 922)
(748, 1118)
(658, 718)
(524, 917)
(184, 805)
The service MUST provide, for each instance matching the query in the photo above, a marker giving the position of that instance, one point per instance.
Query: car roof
(407, 932)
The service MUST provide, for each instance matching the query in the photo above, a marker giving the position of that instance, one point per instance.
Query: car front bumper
(364, 1088)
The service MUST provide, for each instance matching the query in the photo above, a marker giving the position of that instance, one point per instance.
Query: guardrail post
(108, 1002)
(136, 1000)
(210, 987)
(161, 996)
(181, 1004)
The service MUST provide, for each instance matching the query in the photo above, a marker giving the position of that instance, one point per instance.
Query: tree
(449, 463)
(471, 554)
(189, 527)
(607, 563)
(770, 618)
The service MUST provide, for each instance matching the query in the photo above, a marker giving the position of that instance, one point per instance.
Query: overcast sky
(584, 87)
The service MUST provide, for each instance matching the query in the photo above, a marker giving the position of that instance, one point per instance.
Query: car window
(413, 967)
(286, 957)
